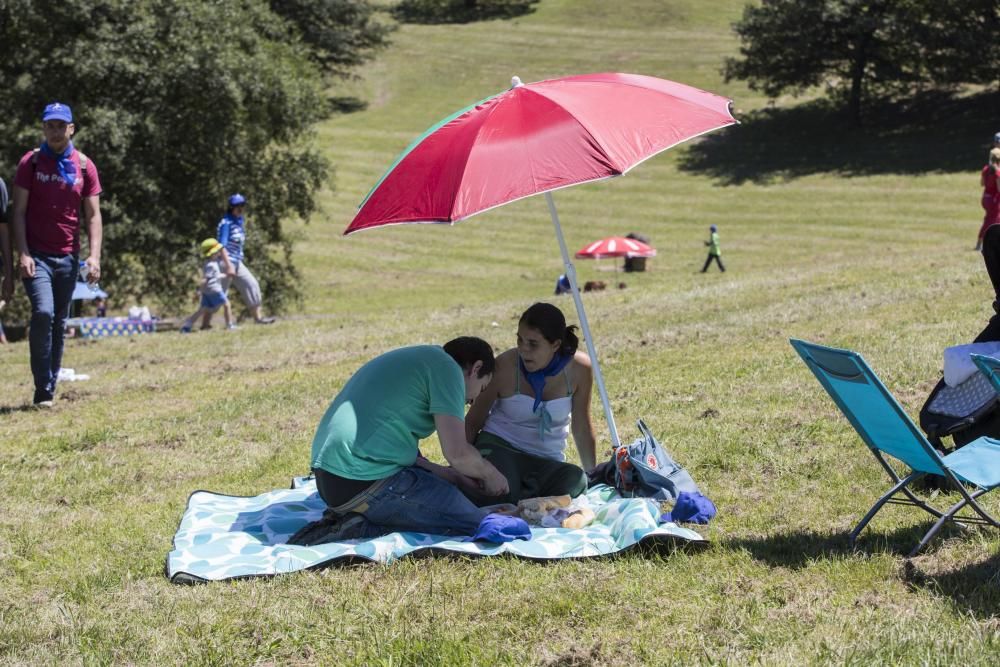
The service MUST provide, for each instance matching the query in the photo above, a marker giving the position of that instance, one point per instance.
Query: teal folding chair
(886, 429)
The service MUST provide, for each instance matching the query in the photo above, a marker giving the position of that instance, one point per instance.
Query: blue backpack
(644, 468)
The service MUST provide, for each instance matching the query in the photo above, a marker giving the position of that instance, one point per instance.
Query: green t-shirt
(372, 428)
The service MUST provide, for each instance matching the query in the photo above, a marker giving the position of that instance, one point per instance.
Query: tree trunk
(857, 88)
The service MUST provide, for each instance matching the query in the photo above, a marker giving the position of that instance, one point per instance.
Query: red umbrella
(616, 246)
(535, 138)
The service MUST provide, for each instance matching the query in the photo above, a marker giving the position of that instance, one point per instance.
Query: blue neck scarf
(536, 379)
(67, 169)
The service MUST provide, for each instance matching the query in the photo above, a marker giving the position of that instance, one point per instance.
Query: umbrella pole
(571, 274)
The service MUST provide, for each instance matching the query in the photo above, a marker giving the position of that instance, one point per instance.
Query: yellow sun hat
(210, 247)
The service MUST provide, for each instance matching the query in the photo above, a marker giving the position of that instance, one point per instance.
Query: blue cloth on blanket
(501, 528)
(224, 537)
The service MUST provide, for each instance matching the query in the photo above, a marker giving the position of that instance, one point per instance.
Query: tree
(859, 48)
(179, 103)
(958, 37)
(341, 34)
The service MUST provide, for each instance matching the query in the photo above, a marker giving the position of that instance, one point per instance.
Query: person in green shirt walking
(368, 469)
(713, 250)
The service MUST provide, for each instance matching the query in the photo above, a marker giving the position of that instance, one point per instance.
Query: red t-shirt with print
(52, 221)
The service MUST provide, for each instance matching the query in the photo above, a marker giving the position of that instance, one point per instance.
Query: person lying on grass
(521, 421)
(364, 454)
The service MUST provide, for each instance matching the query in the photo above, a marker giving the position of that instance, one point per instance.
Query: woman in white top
(540, 392)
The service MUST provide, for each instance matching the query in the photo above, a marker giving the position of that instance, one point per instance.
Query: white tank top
(542, 433)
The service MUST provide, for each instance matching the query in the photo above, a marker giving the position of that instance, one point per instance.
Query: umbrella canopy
(616, 246)
(83, 290)
(535, 138)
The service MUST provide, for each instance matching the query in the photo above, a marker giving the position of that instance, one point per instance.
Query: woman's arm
(581, 423)
(227, 267)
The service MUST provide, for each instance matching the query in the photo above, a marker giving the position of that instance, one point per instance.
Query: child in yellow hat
(212, 294)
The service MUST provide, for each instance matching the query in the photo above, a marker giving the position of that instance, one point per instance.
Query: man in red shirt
(50, 185)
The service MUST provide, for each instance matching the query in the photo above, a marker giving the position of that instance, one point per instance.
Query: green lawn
(857, 239)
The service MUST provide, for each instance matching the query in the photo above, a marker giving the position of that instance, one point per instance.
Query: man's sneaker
(186, 328)
(42, 399)
(265, 320)
(331, 528)
(231, 327)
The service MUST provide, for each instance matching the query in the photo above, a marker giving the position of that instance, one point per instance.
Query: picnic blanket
(229, 537)
(100, 327)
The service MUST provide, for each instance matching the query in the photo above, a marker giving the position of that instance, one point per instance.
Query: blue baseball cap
(57, 111)
(713, 228)
(692, 508)
(237, 200)
(996, 138)
(500, 528)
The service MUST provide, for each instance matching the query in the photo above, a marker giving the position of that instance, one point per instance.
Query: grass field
(857, 239)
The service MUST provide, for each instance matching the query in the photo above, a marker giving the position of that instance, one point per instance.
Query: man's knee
(43, 316)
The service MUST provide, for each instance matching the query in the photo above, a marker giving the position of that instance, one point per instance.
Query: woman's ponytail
(570, 342)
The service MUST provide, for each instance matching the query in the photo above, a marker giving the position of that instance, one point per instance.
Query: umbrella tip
(515, 81)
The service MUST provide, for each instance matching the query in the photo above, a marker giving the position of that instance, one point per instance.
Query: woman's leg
(505, 459)
(991, 256)
(558, 478)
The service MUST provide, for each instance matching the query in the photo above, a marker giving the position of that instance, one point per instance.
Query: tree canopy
(180, 103)
(863, 49)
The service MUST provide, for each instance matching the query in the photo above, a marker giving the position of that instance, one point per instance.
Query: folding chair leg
(921, 503)
(937, 526)
(967, 500)
(884, 499)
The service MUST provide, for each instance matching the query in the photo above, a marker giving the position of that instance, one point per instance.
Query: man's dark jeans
(50, 292)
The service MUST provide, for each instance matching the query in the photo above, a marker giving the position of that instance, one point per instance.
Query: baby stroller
(963, 412)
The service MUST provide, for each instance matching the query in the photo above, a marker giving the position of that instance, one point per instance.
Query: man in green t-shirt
(364, 454)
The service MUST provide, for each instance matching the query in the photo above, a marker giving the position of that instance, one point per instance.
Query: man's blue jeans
(413, 500)
(50, 291)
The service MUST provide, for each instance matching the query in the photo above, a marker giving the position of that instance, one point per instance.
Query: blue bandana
(67, 169)
(536, 379)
